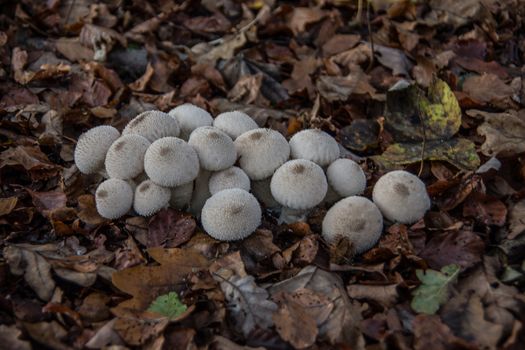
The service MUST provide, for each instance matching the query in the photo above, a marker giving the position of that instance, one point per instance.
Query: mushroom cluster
(186, 159)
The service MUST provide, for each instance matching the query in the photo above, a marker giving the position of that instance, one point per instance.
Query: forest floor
(70, 279)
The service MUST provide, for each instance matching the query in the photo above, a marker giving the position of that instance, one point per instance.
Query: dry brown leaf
(10, 336)
(7, 205)
(431, 333)
(334, 88)
(170, 228)
(516, 219)
(295, 325)
(302, 16)
(50, 334)
(386, 295)
(488, 88)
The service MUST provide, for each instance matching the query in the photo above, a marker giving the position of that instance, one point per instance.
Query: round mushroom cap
(153, 125)
(190, 117)
(215, 149)
(261, 190)
(150, 198)
(92, 146)
(232, 177)
(346, 177)
(171, 162)
(231, 214)
(356, 219)
(261, 152)
(125, 157)
(113, 198)
(401, 197)
(234, 123)
(315, 145)
(181, 195)
(299, 184)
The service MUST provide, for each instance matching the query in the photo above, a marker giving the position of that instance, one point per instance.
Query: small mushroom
(153, 125)
(113, 198)
(125, 157)
(401, 197)
(234, 123)
(299, 184)
(315, 145)
(346, 177)
(190, 117)
(181, 196)
(231, 214)
(356, 219)
(215, 149)
(171, 162)
(261, 152)
(150, 198)
(92, 146)
(232, 177)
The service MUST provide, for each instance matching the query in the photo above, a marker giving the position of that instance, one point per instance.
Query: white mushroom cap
(231, 214)
(113, 198)
(125, 157)
(215, 149)
(232, 177)
(315, 145)
(346, 177)
(150, 198)
(190, 117)
(401, 197)
(299, 184)
(261, 152)
(171, 162)
(201, 192)
(234, 123)
(92, 146)
(356, 219)
(181, 195)
(261, 190)
(153, 125)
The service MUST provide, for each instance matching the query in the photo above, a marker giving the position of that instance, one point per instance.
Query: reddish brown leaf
(431, 333)
(485, 209)
(170, 228)
(48, 201)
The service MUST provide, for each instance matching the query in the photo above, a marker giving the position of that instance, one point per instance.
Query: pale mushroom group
(186, 159)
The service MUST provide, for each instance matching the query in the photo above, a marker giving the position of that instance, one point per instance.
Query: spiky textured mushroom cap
(315, 145)
(92, 146)
(346, 177)
(231, 214)
(113, 198)
(261, 152)
(232, 177)
(190, 117)
(356, 219)
(234, 123)
(153, 125)
(215, 149)
(299, 184)
(125, 157)
(150, 198)
(401, 197)
(171, 162)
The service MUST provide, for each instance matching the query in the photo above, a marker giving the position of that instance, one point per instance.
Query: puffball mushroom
(299, 184)
(315, 145)
(231, 214)
(234, 123)
(113, 198)
(215, 149)
(153, 125)
(125, 157)
(190, 117)
(171, 162)
(261, 151)
(346, 177)
(92, 146)
(356, 219)
(232, 177)
(150, 198)
(401, 197)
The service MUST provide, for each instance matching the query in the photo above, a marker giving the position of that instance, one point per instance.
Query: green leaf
(459, 152)
(168, 305)
(434, 288)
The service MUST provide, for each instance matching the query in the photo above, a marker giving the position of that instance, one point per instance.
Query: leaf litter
(71, 279)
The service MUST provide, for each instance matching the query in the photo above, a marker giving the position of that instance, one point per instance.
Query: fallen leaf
(360, 135)
(168, 305)
(46, 202)
(485, 209)
(386, 295)
(302, 16)
(394, 59)
(34, 267)
(221, 343)
(504, 132)
(95, 308)
(488, 88)
(334, 88)
(32, 159)
(10, 336)
(170, 228)
(49, 334)
(138, 331)
(339, 43)
(7, 205)
(516, 219)
(295, 325)
(88, 210)
(431, 333)
(434, 290)
(105, 335)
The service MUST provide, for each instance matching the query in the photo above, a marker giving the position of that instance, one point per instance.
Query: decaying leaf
(10, 336)
(434, 290)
